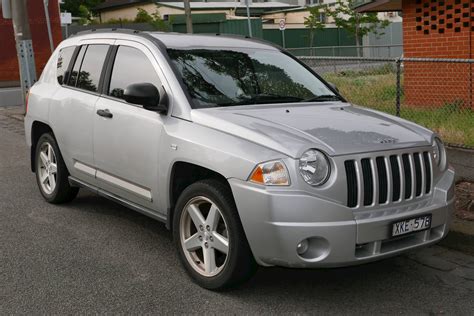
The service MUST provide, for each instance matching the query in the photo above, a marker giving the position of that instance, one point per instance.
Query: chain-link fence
(435, 93)
(386, 51)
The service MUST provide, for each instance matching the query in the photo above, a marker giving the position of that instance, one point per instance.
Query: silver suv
(246, 154)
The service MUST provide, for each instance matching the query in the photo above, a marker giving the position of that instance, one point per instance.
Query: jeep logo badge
(387, 140)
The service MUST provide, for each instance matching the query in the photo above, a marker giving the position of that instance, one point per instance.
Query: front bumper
(276, 221)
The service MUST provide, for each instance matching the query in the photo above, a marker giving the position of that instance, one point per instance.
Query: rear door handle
(105, 113)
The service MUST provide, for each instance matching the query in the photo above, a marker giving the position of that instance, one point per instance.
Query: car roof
(181, 40)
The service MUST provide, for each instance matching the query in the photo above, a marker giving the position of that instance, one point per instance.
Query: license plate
(411, 225)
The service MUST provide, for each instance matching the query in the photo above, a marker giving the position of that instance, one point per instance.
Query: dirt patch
(465, 201)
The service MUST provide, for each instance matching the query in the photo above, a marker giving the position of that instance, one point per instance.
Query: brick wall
(39, 33)
(438, 29)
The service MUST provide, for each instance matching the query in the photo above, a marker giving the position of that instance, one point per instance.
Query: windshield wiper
(265, 98)
(323, 97)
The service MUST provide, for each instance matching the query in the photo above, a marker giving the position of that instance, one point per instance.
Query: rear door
(126, 144)
(73, 113)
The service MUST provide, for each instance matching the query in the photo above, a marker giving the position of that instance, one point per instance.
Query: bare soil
(465, 201)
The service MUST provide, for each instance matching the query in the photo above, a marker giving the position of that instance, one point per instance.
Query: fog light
(302, 247)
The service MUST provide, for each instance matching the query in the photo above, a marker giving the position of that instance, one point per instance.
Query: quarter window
(64, 59)
(131, 66)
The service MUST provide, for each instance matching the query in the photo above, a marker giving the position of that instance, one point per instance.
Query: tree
(153, 19)
(80, 8)
(358, 24)
(314, 21)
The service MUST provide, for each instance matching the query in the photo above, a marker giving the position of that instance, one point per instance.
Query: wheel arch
(38, 128)
(182, 175)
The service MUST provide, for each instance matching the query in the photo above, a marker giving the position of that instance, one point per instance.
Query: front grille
(385, 179)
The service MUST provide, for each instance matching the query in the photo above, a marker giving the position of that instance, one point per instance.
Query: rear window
(88, 67)
(64, 59)
(77, 65)
(91, 68)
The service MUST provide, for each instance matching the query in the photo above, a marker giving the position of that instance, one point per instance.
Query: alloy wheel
(204, 236)
(47, 168)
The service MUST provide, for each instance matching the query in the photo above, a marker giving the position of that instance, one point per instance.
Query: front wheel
(210, 238)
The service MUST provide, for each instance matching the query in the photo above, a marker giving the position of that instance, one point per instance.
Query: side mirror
(146, 95)
(333, 86)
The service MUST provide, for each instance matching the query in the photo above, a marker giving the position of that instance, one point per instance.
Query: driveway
(94, 256)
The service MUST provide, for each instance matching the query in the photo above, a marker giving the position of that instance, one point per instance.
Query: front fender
(227, 155)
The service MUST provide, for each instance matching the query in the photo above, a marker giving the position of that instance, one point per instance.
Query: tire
(55, 190)
(239, 264)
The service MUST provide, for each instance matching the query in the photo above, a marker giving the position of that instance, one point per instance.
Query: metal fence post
(399, 85)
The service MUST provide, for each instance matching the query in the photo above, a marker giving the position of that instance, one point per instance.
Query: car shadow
(291, 285)
(87, 202)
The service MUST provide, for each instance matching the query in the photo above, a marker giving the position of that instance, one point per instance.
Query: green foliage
(153, 19)
(143, 16)
(80, 8)
(314, 21)
(118, 21)
(359, 24)
(372, 88)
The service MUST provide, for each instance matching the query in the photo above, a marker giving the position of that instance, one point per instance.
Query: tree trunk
(187, 12)
(311, 35)
(357, 35)
(358, 44)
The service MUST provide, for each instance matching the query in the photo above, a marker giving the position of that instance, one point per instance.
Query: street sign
(66, 18)
(6, 9)
(282, 25)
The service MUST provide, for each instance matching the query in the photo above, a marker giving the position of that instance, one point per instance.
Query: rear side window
(131, 66)
(91, 68)
(77, 65)
(64, 59)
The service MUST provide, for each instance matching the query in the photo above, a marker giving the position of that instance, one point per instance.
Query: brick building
(9, 75)
(434, 29)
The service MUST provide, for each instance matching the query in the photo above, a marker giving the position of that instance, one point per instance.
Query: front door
(127, 136)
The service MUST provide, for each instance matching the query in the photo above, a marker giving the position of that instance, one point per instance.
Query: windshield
(229, 77)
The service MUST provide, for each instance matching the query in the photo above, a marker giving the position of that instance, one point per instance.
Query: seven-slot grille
(385, 179)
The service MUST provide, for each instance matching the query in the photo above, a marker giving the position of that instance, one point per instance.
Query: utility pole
(189, 20)
(48, 24)
(249, 23)
(24, 46)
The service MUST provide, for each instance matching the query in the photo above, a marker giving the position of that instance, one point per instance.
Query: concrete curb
(10, 96)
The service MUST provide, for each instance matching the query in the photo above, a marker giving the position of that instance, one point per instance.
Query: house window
(311, 2)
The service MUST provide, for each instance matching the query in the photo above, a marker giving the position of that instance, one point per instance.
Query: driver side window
(131, 66)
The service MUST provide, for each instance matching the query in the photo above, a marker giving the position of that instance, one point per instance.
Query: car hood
(336, 127)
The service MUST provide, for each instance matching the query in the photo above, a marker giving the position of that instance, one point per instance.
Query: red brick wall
(438, 29)
(39, 33)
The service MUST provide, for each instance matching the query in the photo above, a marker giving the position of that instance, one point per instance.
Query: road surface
(94, 256)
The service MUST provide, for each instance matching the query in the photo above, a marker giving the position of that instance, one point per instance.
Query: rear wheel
(51, 172)
(210, 238)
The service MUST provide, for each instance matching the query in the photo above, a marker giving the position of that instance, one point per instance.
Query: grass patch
(377, 90)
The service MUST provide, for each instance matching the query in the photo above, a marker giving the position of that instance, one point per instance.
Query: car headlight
(314, 167)
(270, 173)
(438, 151)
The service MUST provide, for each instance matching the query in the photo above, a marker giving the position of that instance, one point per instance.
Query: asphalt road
(94, 256)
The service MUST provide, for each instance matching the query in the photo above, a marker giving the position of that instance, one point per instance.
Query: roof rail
(253, 39)
(107, 30)
(147, 34)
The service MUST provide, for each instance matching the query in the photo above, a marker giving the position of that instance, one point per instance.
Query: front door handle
(105, 113)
